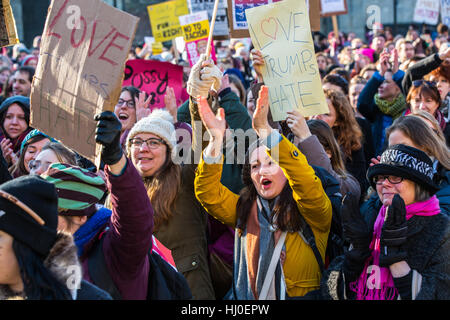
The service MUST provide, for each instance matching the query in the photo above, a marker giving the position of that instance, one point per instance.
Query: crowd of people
(351, 204)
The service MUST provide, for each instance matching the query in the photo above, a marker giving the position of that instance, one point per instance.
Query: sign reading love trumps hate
(84, 47)
(281, 31)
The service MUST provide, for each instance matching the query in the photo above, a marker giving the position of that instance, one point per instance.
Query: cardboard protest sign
(8, 31)
(445, 12)
(333, 7)
(164, 19)
(281, 31)
(195, 29)
(84, 47)
(153, 77)
(221, 26)
(426, 11)
(238, 22)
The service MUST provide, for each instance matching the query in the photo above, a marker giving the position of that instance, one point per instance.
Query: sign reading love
(281, 31)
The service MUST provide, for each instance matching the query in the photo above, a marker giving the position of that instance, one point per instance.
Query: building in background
(398, 14)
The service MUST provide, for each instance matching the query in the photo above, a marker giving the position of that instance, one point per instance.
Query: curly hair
(346, 129)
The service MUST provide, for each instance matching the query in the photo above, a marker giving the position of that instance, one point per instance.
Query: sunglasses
(418, 83)
(23, 206)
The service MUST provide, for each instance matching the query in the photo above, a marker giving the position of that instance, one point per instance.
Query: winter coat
(442, 179)
(127, 235)
(316, 155)
(418, 70)
(428, 252)
(369, 110)
(301, 270)
(62, 258)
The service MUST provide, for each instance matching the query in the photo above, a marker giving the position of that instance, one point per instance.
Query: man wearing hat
(401, 251)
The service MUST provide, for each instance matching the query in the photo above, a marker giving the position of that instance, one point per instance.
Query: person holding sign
(282, 196)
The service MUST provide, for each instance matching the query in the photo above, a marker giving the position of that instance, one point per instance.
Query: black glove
(357, 233)
(108, 135)
(393, 234)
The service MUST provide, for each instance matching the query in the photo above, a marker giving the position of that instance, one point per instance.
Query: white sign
(332, 6)
(427, 11)
(221, 25)
(445, 12)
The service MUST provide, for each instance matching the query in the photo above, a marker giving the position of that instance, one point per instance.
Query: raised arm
(130, 237)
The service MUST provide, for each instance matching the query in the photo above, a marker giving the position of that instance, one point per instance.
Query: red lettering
(55, 20)
(72, 36)
(112, 44)
(90, 53)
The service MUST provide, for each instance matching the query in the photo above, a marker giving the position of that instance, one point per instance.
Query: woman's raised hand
(258, 63)
(170, 102)
(214, 123)
(260, 121)
(297, 123)
(142, 106)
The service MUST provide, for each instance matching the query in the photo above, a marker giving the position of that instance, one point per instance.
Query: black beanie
(406, 162)
(40, 196)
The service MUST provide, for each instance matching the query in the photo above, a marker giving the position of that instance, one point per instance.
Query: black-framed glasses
(418, 83)
(130, 103)
(152, 143)
(392, 179)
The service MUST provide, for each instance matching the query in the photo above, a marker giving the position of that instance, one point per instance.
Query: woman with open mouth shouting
(282, 201)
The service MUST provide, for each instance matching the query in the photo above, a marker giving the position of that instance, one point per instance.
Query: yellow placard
(282, 32)
(157, 48)
(8, 30)
(164, 19)
(195, 31)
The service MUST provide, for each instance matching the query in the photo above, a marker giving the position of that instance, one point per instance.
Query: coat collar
(62, 261)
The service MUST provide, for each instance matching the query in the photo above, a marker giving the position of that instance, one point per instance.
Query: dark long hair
(283, 206)
(38, 281)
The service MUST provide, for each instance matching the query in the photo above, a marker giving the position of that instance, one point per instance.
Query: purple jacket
(129, 238)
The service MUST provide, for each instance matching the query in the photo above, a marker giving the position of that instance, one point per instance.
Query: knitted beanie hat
(38, 195)
(79, 190)
(33, 133)
(160, 123)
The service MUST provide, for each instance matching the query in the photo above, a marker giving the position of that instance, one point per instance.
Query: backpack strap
(308, 236)
(98, 271)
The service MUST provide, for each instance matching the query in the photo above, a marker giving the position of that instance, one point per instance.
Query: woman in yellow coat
(281, 189)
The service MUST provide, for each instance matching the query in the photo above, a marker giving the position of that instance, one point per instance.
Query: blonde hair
(427, 116)
(423, 137)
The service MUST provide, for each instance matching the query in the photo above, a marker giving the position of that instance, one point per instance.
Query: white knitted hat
(160, 123)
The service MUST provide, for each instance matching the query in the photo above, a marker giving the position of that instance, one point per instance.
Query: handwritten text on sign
(154, 77)
(164, 19)
(80, 69)
(282, 32)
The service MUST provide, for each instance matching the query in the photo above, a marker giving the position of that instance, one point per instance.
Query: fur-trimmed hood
(63, 262)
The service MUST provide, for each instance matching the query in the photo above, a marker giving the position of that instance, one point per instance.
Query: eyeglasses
(152, 143)
(130, 103)
(391, 179)
(38, 164)
(418, 83)
(23, 206)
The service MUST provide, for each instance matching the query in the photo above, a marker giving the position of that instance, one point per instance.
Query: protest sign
(445, 12)
(281, 31)
(8, 31)
(333, 7)
(426, 11)
(238, 22)
(154, 77)
(164, 19)
(84, 47)
(195, 29)
(221, 27)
